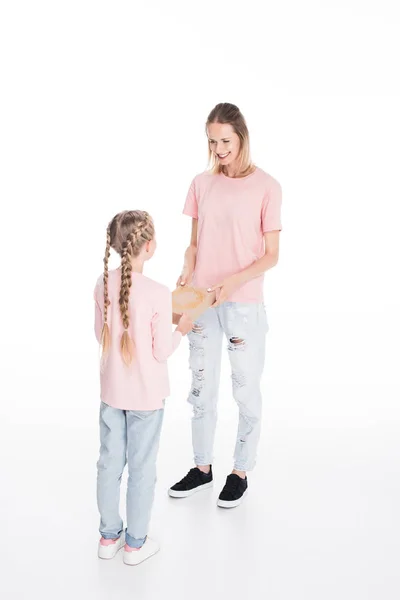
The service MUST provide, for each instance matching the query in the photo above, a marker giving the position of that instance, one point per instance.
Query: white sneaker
(135, 557)
(110, 550)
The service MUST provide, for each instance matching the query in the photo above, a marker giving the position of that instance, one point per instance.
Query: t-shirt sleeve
(271, 208)
(191, 204)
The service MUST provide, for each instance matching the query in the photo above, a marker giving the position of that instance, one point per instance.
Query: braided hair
(126, 234)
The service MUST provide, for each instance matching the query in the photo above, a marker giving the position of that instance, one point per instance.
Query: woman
(235, 211)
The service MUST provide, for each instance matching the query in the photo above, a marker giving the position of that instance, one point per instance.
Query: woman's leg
(110, 467)
(205, 342)
(245, 326)
(143, 431)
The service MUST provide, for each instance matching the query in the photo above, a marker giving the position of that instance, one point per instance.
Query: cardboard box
(191, 301)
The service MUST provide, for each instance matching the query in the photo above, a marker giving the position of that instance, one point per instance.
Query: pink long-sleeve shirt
(144, 384)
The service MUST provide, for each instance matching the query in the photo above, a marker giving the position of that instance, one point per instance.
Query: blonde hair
(226, 113)
(126, 234)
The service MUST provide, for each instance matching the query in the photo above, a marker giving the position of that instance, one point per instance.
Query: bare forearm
(190, 256)
(262, 265)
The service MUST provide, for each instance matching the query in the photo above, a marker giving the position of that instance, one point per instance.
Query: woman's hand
(190, 258)
(185, 277)
(188, 268)
(225, 289)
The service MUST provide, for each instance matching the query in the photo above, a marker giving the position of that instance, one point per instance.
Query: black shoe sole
(231, 503)
(187, 493)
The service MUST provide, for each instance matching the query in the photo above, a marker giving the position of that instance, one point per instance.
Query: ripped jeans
(245, 327)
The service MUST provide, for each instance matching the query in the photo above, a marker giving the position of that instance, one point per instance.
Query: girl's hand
(175, 318)
(185, 324)
(226, 289)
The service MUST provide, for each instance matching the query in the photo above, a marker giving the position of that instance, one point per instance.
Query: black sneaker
(234, 491)
(193, 482)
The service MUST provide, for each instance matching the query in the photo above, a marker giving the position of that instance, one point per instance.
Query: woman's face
(224, 143)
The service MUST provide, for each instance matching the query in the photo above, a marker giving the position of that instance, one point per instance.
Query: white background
(103, 106)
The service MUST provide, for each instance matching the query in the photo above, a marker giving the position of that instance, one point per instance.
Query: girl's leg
(205, 342)
(143, 433)
(245, 326)
(110, 467)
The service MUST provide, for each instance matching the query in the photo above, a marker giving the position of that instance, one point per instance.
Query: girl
(133, 324)
(235, 210)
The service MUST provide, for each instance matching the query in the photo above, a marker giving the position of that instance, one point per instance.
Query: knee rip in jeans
(198, 379)
(198, 329)
(236, 343)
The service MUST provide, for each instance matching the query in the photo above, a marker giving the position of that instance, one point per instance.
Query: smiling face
(224, 143)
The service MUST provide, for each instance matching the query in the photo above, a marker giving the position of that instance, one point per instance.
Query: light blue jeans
(245, 327)
(127, 436)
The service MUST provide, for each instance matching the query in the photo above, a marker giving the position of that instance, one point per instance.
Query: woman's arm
(190, 257)
(263, 264)
(266, 262)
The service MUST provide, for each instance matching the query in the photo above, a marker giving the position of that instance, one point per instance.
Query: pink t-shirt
(145, 383)
(233, 215)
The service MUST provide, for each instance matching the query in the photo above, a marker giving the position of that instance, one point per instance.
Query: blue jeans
(245, 327)
(127, 436)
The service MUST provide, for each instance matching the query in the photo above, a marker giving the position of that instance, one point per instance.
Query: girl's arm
(165, 342)
(98, 317)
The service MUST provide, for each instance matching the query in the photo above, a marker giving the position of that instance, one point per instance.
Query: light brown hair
(226, 113)
(126, 234)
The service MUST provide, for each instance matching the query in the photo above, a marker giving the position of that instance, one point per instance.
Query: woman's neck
(232, 171)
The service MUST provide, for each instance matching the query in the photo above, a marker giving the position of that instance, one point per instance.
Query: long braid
(105, 334)
(126, 282)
